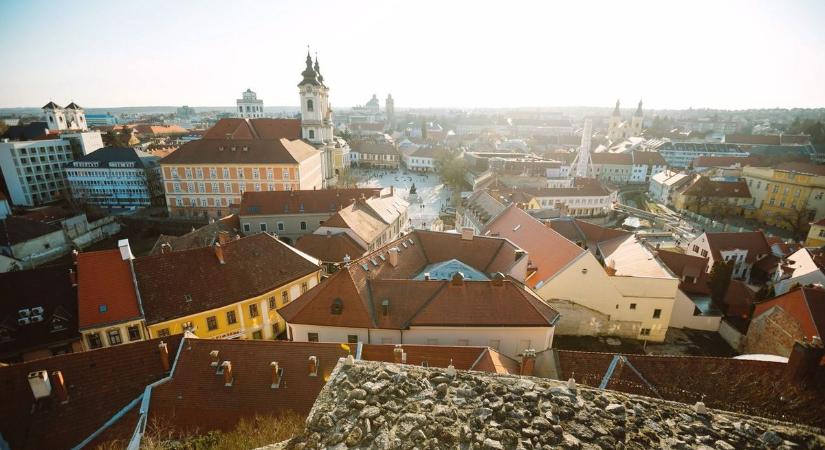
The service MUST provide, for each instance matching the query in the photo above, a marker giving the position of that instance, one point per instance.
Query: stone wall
(381, 405)
(773, 333)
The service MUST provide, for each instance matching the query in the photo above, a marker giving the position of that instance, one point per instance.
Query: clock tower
(316, 115)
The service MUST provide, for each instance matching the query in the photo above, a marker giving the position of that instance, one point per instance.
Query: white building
(664, 184)
(802, 271)
(420, 160)
(116, 178)
(250, 106)
(742, 249)
(682, 154)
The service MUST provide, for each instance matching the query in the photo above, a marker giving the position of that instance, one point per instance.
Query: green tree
(720, 276)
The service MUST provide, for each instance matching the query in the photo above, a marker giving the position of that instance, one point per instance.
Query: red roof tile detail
(806, 305)
(321, 201)
(753, 241)
(105, 289)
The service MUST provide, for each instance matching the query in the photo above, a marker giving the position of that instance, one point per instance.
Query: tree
(720, 275)
(797, 221)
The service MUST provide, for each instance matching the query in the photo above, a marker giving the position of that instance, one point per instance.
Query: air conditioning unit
(23, 321)
(37, 310)
(25, 312)
(36, 319)
(40, 384)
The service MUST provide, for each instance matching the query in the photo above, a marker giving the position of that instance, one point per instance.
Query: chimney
(73, 277)
(398, 354)
(313, 366)
(329, 234)
(40, 385)
(426, 276)
(467, 234)
(125, 250)
(74, 256)
(228, 379)
(60, 387)
(164, 355)
(165, 248)
(215, 359)
(528, 362)
(393, 256)
(804, 360)
(498, 279)
(223, 237)
(276, 375)
(458, 279)
(219, 253)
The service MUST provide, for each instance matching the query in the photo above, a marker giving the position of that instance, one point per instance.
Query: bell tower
(636, 121)
(316, 115)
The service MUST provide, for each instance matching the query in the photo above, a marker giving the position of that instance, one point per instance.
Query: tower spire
(317, 69)
(639, 109)
(616, 111)
(310, 75)
(583, 161)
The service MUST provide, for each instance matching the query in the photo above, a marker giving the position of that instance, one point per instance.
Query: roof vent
(516, 228)
(467, 234)
(385, 306)
(37, 310)
(40, 384)
(245, 148)
(23, 321)
(215, 358)
(498, 279)
(25, 312)
(313, 366)
(277, 374)
(337, 306)
(458, 279)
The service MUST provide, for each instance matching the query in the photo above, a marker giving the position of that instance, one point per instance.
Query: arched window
(312, 133)
(310, 105)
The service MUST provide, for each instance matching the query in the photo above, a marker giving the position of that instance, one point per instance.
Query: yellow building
(225, 291)
(816, 235)
(788, 196)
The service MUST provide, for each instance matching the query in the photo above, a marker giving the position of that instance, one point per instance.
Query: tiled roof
(377, 148)
(705, 187)
(202, 237)
(648, 158)
(752, 241)
(105, 289)
(596, 233)
(160, 129)
(745, 386)
(14, 230)
(107, 155)
(752, 139)
(802, 167)
(805, 304)
(49, 214)
(26, 132)
(49, 288)
(370, 217)
(305, 201)
(330, 247)
(625, 159)
(582, 188)
(462, 358)
(255, 129)
(684, 265)
(241, 151)
(738, 296)
(548, 251)
(420, 302)
(727, 161)
(253, 265)
(566, 226)
(99, 383)
(196, 397)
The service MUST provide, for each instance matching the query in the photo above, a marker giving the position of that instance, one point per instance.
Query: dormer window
(385, 306)
(337, 306)
(102, 308)
(187, 298)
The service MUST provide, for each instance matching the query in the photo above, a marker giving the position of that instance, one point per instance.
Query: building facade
(116, 178)
(787, 195)
(250, 106)
(618, 129)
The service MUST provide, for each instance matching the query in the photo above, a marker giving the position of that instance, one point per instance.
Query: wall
(731, 335)
(773, 332)
(122, 327)
(292, 223)
(682, 316)
(578, 320)
(42, 249)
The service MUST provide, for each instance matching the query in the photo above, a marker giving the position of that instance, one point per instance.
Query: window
(257, 335)
(280, 226)
(94, 340)
(163, 332)
(303, 225)
(304, 287)
(644, 332)
(312, 337)
(657, 313)
(286, 174)
(114, 337)
(704, 253)
(696, 248)
(212, 323)
(230, 317)
(188, 326)
(310, 105)
(285, 297)
(246, 227)
(272, 304)
(352, 338)
(632, 306)
(253, 310)
(263, 226)
(311, 134)
(134, 333)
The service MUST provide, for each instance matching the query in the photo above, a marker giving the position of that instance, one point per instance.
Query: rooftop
(319, 201)
(105, 289)
(628, 256)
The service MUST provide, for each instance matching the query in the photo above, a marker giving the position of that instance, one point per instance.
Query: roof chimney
(276, 374)
(398, 354)
(467, 234)
(458, 279)
(40, 385)
(313, 366)
(215, 359)
(498, 279)
(73, 277)
(228, 379)
(426, 276)
(165, 248)
(223, 237)
(803, 362)
(393, 256)
(528, 362)
(74, 256)
(125, 250)
(219, 253)
(164, 356)
(60, 387)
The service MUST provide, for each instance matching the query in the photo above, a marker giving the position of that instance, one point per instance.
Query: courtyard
(431, 194)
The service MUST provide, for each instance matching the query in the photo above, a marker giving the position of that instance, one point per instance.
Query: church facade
(619, 129)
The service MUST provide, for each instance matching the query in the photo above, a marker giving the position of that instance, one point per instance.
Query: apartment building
(788, 194)
(208, 176)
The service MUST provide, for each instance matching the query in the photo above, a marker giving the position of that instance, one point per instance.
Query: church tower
(55, 117)
(636, 121)
(613, 132)
(75, 117)
(389, 110)
(316, 115)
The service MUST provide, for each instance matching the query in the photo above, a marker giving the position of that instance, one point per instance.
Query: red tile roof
(596, 233)
(548, 251)
(806, 305)
(330, 247)
(100, 383)
(420, 302)
(753, 241)
(231, 151)
(739, 298)
(752, 139)
(253, 265)
(648, 158)
(196, 397)
(802, 167)
(105, 289)
(305, 201)
(462, 358)
(201, 237)
(624, 159)
(255, 129)
(683, 265)
(705, 187)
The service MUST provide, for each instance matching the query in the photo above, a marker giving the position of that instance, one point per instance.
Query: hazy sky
(721, 54)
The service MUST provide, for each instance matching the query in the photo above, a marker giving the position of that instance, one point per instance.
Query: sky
(673, 54)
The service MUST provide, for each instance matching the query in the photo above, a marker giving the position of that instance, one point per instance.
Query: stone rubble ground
(388, 406)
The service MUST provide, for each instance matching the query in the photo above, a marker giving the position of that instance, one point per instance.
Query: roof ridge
(425, 304)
